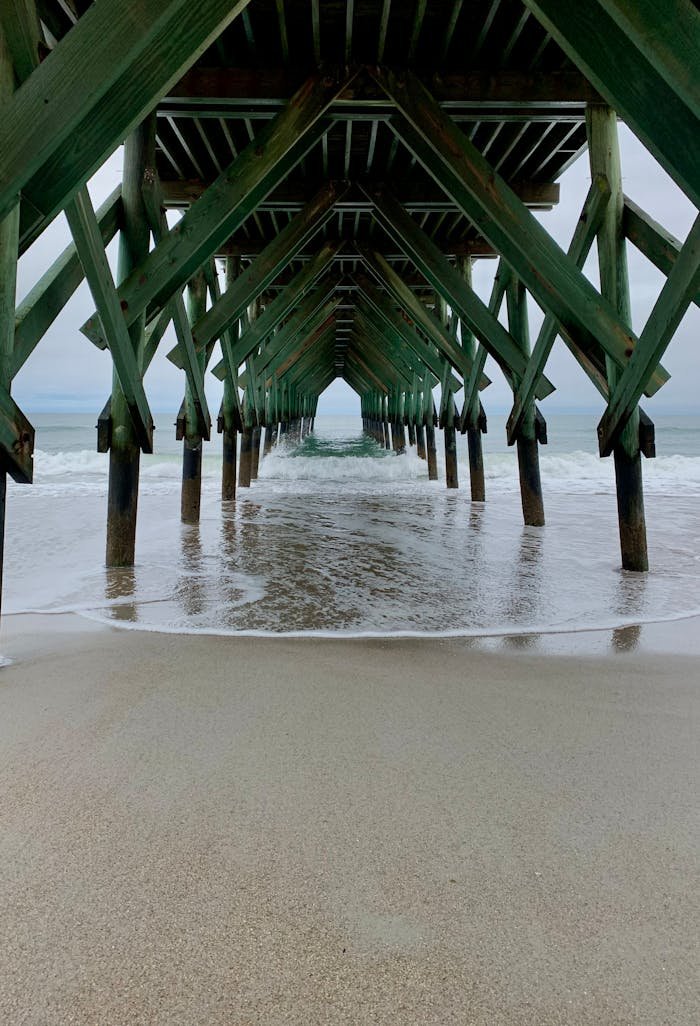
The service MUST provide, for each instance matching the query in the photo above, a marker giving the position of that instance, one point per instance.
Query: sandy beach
(209, 830)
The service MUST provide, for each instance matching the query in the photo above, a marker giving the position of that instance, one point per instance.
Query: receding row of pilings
(381, 422)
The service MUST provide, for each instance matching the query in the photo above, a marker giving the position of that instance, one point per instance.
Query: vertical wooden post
(604, 154)
(473, 411)
(528, 452)
(411, 433)
(451, 472)
(191, 495)
(270, 434)
(420, 441)
(9, 247)
(246, 454)
(124, 452)
(255, 454)
(431, 451)
(229, 409)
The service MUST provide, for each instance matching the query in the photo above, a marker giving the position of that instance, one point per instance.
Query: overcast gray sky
(67, 373)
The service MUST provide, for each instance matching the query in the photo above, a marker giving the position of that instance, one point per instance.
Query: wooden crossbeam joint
(16, 441)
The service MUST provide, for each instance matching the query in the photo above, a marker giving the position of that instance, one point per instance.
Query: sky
(66, 373)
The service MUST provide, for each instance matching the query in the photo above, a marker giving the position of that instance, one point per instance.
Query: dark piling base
(270, 438)
(530, 483)
(431, 452)
(122, 503)
(476, 465)
(451, 472)
(245, 459)
(255, 454)
(420, 441)
(399, 433)
(411, 433)
(228, 474)
(387, 435)
(191, 496)
(630, 511)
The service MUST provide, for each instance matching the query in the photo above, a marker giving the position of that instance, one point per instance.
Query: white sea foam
(340, 538)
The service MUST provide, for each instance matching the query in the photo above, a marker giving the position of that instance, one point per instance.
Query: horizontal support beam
(216, 91)
(226, 204)
(290, 198)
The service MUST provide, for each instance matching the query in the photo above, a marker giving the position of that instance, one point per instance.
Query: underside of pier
(306, 187)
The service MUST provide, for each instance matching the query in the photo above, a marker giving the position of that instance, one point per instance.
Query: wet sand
(203, 830)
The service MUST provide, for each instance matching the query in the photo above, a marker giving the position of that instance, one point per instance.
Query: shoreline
(242, 830)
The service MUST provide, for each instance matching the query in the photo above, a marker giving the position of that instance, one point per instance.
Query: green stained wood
(154, 336)
(20, 25)
(88, 242)
(92, 90)
(43, 303)
(485, 198)
(318, 298)
(643, 57)
(472, 413)
(387, 361)
(285, 302)
(198, 417)
(315, 313)
(16, 440)
(225, 205)
(447, 281)
(651, 238)
(679, 289)
(419, 313)
(265, 268)
(584, 236)
(397, 323)
(370, 325)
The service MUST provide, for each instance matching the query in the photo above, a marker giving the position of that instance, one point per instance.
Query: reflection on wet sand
(120, 584)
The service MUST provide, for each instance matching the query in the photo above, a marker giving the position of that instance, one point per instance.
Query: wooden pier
(337, 169)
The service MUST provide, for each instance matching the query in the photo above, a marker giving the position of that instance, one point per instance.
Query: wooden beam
(547, 272)
(20, 25)
(95, 86)
(200, 419)
(398, 324)
(212, 91)
(284, 303)
(88, 242)
(584, 236)
(446, 280)
(290, 197)
(651, 239)
(16, 440)
(643, 59)
(678, 292)
(316, 307)
(403, 295)
(262, 271)
(43, 303)
(227, 203)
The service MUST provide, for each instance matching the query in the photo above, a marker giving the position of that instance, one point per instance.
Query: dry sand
(199, 830)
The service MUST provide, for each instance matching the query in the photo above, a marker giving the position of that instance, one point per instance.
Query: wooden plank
(199, 420)
(16, 440)
(681, 286)
(387, 341)
(637, 87)
(418, 312)
(400, 326)
(651, 238)
(43, 303)
(483, 196)
(472, 413)
(317, 307)
(446, 280)
(92, 90)
(584, 236)
(88, 242)
(229, 200)
(20, 26)
(283, 304)
(212, 91)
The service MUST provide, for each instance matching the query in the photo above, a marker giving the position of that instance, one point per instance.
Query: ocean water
(339, 537)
